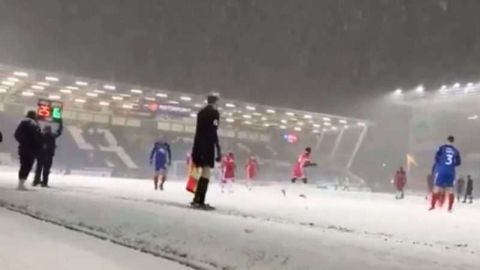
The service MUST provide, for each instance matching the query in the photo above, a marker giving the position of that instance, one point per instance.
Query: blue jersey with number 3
(446, 159)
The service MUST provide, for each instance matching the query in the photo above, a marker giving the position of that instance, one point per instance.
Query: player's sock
(162, 182)
(451, 200)
(155, 182)
(441, 198)
(433, 200)
(201, 190)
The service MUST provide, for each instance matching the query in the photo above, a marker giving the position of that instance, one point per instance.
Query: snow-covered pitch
(258, 229)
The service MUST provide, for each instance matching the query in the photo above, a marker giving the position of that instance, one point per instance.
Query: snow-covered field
(29, 244)
(258, 229)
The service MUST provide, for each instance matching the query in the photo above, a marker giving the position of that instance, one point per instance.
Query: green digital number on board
(57, 113)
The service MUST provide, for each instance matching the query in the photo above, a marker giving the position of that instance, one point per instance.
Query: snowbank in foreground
(261, 229)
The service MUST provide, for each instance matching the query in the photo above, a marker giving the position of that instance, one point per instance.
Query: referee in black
(205, 146)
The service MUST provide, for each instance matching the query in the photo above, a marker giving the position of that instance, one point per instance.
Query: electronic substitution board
(50, 111)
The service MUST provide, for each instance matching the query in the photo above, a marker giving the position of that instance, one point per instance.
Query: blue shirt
(161, 155)
(446, 159)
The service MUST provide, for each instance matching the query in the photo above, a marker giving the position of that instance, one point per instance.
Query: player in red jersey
(399, 181)
(251, 170)
(299, 167)
(228, 171)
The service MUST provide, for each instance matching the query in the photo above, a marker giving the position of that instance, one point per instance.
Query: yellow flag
(411, 161)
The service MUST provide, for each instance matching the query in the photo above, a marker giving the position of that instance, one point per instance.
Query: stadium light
(316, 125)
(149, 98)
(257, 114)
(470, 84)
(28, 94)
(43, 83)
(345, 126)
(80, 100)
(307, 116)
(3, 90)
(283, 121)
(193, 115)
(125, 95)
(173, 102)
(420, 89)
(104, 103)
(8, 83)
(185, 98)
(301, 123)
(51, 79)
(117, 98)
(282, 127)
(92, 94)
(473, 117)
(54, 97)
(298, 129)
(264, 118)
(247, 116)
(326, 119)
(13, 79)
(99, 91)
(136, 91)
(456, 85)
(443, 89)
(197, 105)
(20, 74)
(398, 92)
(361, 124)
(230, 120)
(38, 87)
(127, 106)
(247, 123)
(342, 121)
(270, 111)
(325, 129)
(162, 95)
(334, 128)
(81, 83)
(72, 87)
(65, 91)
(266, 125)
(290, 113)
(109, 87)
(316, 131)
(327, 124)
(250, 108)
(230, 105)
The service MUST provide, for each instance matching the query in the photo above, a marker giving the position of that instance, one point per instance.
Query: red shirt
(228, 167)
(251, 168)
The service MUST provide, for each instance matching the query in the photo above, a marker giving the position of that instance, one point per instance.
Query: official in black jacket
(205, 145)
(28, 136)
(46, 154)
(469, 190)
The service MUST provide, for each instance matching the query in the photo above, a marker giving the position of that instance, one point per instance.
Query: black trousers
(26, 164)
(44, 164)
(468, 195)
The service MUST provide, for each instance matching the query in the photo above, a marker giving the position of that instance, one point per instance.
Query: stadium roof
(23, 85)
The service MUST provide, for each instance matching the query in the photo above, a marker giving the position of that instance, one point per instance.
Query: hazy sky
(320, 55)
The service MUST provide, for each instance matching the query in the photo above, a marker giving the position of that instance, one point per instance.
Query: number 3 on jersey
(449, 160)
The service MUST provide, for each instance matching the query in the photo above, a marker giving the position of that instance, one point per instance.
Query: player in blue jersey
(447, 159)
(160, 160)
